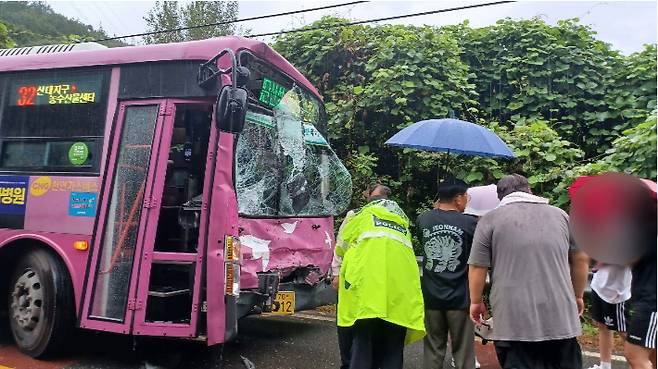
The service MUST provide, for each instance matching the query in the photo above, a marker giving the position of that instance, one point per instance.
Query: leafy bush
(565, 102)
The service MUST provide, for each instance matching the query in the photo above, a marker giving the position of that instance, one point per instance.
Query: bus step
(169, 292)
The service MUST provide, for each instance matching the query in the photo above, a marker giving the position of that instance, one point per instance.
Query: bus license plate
(284, 303)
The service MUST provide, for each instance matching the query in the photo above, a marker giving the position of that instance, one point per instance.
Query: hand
(334, 283)
(477, 312)
(581, 305)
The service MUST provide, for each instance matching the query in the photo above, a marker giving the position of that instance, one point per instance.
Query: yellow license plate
(284, 303)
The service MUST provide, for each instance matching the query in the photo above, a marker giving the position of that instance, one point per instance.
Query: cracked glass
(284, 165)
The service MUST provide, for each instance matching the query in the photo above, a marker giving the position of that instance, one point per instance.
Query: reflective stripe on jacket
(379, 277)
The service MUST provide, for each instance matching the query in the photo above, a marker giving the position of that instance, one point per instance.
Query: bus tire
(40, 304)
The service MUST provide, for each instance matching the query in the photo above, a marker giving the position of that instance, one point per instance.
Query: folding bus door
(125, 210)
(168, 290)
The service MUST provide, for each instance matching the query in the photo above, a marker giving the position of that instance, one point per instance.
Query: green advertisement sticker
(78, 153)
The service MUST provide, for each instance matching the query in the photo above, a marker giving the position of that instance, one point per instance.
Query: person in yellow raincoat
(379, 293)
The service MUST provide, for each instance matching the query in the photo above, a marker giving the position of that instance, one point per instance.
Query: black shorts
(556, 354)
(642, 329)
(612, 316)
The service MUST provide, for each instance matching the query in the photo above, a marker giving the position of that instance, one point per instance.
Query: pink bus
(163, 190)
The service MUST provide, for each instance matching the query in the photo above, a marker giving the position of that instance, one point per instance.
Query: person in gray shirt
(537, 280)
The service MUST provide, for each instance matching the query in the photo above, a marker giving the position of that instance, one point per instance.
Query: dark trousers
(377, 344)
(345, 338)
(443, 323)
(556, 354)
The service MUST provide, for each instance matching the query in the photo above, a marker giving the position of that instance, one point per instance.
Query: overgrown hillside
(35, 23)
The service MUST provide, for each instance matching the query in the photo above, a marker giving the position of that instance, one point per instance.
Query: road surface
(263, 343)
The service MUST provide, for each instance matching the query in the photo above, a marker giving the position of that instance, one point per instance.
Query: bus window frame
(251, 101)
(106, 73)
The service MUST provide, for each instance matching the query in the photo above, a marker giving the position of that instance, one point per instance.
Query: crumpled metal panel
(285, 245)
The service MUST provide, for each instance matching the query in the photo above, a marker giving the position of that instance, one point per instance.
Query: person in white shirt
(611, 288)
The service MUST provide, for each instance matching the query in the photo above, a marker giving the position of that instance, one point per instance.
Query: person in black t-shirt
(446, 234)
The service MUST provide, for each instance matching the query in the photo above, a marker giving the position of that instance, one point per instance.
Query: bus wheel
(40, 304)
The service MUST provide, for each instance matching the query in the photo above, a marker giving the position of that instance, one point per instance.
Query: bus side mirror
(231, 109)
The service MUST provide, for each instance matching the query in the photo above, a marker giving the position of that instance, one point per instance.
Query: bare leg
(639, 357)
(605, 343)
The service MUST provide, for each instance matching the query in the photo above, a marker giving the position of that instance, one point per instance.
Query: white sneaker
(595, 366)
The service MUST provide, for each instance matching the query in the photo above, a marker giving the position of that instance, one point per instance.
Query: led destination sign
(271, 93)
(57, 91)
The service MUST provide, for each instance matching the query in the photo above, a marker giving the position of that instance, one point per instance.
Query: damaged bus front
(288, 183)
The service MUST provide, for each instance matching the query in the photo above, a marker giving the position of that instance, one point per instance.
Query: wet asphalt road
(263, 342)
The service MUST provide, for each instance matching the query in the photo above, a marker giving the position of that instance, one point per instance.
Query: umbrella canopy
(481, 200)
(452, 136)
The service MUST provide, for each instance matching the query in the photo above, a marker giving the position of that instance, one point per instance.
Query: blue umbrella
(452, 136)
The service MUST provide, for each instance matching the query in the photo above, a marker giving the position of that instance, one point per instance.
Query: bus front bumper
(306, 297)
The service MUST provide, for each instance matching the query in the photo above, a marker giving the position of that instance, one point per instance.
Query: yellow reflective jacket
(379, 276)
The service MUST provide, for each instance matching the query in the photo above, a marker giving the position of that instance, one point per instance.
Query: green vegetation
(35, 23)
(5, 41)
(167, 15)
(565, 102)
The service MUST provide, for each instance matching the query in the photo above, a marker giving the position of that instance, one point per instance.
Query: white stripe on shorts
(653, 332)
(650, 338)
(621, 317)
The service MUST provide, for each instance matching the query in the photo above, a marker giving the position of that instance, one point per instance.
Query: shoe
(477, 364)
(485, 330)
(595, 366)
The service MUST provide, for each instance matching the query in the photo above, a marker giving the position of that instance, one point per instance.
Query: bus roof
(191, 50)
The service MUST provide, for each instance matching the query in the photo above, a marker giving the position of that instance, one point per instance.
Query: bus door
(145, 274)
(168, 291)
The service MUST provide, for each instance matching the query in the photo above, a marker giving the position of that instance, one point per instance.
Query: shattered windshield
(284, 166)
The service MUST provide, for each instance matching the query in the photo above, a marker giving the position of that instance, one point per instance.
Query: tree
(164, 16)
(5, 41)
(169, 15)
(205, 12)
(35, 23)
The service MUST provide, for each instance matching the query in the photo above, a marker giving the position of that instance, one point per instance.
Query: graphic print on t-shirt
(443, 246)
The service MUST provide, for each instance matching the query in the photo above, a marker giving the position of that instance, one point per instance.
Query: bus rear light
(81, 245)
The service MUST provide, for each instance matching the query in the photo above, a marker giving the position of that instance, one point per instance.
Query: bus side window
(50, 133)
